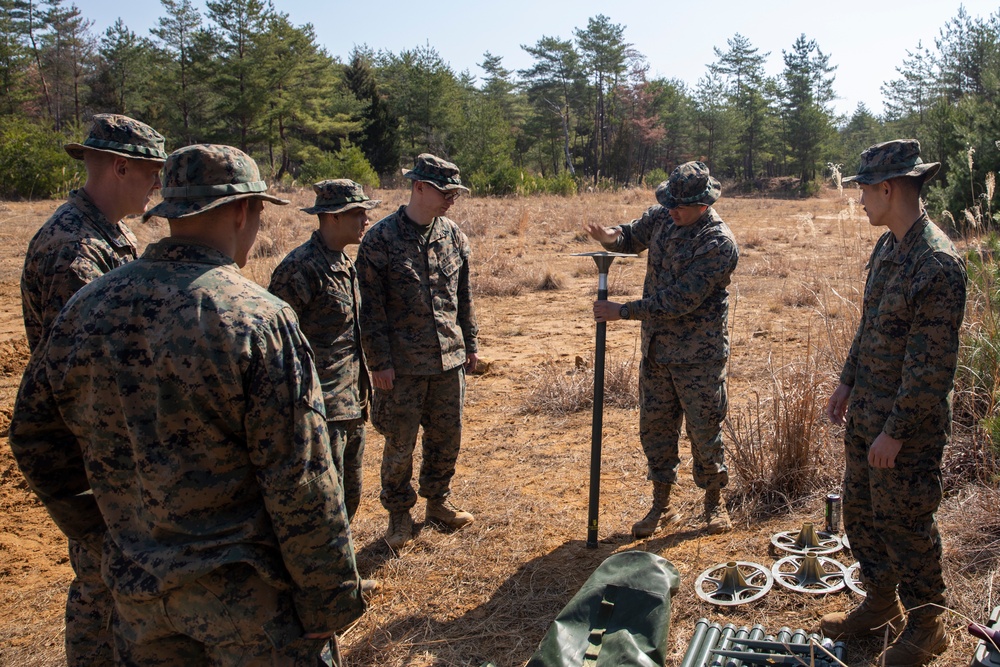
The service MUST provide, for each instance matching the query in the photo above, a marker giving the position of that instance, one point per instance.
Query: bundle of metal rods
(714, 645)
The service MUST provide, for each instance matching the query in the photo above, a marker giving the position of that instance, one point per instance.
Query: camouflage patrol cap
(205, 176)
(892, 159)
(690, 183)
(440, 173)
(121, 135)
(338, 195)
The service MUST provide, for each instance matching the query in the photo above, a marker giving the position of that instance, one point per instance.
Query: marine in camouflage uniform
(319, 281)
(896, 390)
(84, 239)
(684, 311)
(186, 397)
(419, 332)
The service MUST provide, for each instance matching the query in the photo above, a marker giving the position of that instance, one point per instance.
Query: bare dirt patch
(490, 590)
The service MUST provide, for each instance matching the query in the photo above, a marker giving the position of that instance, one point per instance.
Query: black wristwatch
(623, 312)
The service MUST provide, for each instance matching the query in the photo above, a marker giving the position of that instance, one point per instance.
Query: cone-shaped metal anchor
(810, 573)
(733, 583)
(807, 540)
(603, 260)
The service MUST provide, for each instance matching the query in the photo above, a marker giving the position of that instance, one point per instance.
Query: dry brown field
(489, 592)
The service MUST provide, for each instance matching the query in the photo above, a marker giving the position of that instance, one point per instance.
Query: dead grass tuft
(777, 452)
(551, 282)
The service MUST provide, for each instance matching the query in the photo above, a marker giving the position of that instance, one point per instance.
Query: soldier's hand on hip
(384, 379)
(882, 453)
(471, 361)
(836, 407)
(600, 232)
(606, 311)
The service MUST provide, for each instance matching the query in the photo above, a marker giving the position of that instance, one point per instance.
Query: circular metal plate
(733, 583)
(853, 580)
(816, 575)
(793, 541)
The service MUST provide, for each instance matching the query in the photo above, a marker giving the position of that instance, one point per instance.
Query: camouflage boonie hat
(121, 135)
(689, 184)
(205, 176)
(338, 195)
(892, 159)
(440, 173)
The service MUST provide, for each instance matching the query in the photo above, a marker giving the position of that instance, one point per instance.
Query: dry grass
(777, 453)
(490, 590)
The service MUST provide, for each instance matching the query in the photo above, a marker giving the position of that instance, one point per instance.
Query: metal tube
(840, 650)
(697, 639)
(593, 512)
(799, 637)
(784, 635)
(711, 639)
(742, 633)
(727, 635)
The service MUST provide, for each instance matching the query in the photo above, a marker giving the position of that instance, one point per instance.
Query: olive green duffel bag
(620, 617)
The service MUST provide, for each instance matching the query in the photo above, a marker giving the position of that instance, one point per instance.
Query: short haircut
(912, 184)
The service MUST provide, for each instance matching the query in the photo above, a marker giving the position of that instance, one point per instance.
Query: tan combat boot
(443, 511)
(880, 607)
(716, 516)
(923, 639)
(400, 530)
(659, 514)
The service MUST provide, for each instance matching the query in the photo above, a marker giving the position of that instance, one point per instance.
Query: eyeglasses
(448, 196)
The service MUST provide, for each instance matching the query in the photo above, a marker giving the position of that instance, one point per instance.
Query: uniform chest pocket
(894, 314)
(408, 270)
(338, 300)
(449, 265)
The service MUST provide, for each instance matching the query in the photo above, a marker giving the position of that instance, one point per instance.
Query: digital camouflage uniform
(186, 396)
(901, 368)
(75, 246)
(685, 339)
(417, 317)
(321, 285)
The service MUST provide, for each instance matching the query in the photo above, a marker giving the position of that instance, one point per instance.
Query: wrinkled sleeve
(293, 286)
(373, 277)
(64, 274)
(938, 292)
(290, 449)
(466, 307)
(51, 460)
(850, 369)
(635, 235)
(709, 267)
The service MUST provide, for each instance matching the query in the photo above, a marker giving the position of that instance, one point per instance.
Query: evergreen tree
(123, 73)
(379, 136)
(15, 59)
(238, 78)
(67, 50)
(553, 85)
(180, 85)
(743, 66)
(807, 92)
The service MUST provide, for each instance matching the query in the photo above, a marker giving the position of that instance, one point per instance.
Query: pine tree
(124, 72)
(178, 82)
(807, 92)
(379, 136)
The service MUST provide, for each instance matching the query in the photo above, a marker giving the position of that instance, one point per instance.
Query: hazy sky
(866, 41)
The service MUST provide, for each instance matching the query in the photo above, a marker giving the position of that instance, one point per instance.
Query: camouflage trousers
(226, 618)
(696, 393)
(89, 612)
(433, 402)
(889, 517)
(347, 439)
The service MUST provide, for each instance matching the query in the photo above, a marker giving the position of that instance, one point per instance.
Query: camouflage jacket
(187, 396)
(417, 315)
(903, 358)
(685, 304)
(321, 285)
(75, 246)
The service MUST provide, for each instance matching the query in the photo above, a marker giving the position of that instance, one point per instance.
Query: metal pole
(597, 425)
(603, 260)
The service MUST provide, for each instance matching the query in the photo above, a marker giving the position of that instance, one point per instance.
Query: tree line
(585, 113)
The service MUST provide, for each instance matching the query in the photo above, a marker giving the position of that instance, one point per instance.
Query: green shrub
(33, 163)
(654, 177)
(502, 180)
(348, 162)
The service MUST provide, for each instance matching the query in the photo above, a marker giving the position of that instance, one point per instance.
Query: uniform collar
(902, 248)
(172, 250)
